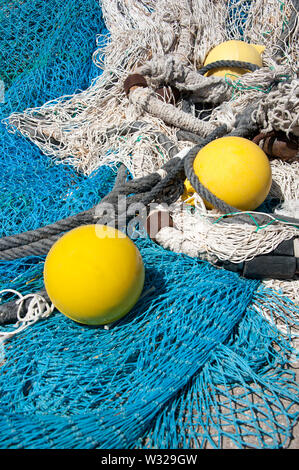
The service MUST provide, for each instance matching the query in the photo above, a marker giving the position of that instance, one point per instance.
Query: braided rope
(51, 230)
(144, 190)
(145, 100)
(194, 180)
(165, 186)
(228, 63)
(244, 128)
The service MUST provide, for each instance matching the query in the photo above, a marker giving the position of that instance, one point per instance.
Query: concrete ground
(293, 442)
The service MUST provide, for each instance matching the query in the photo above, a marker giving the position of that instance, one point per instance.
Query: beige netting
(167, 41)
(143, 33)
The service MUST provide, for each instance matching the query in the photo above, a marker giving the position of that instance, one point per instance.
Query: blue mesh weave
(182, 368)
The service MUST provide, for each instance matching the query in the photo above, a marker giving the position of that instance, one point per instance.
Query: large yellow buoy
(234, 50)
(235, 170)
(94, 274)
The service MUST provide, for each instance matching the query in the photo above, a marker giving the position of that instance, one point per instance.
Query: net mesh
(180, 370)
(79, 122)
(202, 359)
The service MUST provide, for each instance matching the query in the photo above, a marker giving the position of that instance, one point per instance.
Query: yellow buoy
(94, 274)
(235, 170)
(234, 50)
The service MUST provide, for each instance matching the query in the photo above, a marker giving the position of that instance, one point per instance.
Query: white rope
(168, 42)
(195, 234)
(288, 208)
(37, 309)
(145, 100)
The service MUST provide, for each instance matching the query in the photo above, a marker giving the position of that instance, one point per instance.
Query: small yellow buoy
(94, 274)
(235, 170)
(234, 50)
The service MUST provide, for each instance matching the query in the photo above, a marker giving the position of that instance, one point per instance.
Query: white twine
(144, 32)
(201, 232)
(286, 177)
(169, 40)
(37, 309)
(286, 323)
(279, 110)
(286, 288)
(195, 234)
(288, 208)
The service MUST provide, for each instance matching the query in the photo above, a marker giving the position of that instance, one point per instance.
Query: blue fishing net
(194, 364)
(46, 50)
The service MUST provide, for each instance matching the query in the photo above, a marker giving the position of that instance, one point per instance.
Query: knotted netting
(204, 358)
(187, 367)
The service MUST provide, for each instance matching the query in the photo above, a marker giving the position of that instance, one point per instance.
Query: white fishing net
(167, 41)
(142, 33)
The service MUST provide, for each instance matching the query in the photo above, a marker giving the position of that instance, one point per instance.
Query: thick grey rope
(140, 185)
(178, 169)
(32, 236)
(37, 248)
(189, 136)
(38, 242)
(228, 63)
(243, 128)
(145, 190)
(167, 144)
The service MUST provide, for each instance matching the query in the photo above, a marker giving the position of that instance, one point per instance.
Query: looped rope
(37, 308)
(259, 219)
(194, 180)
(228, 63)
